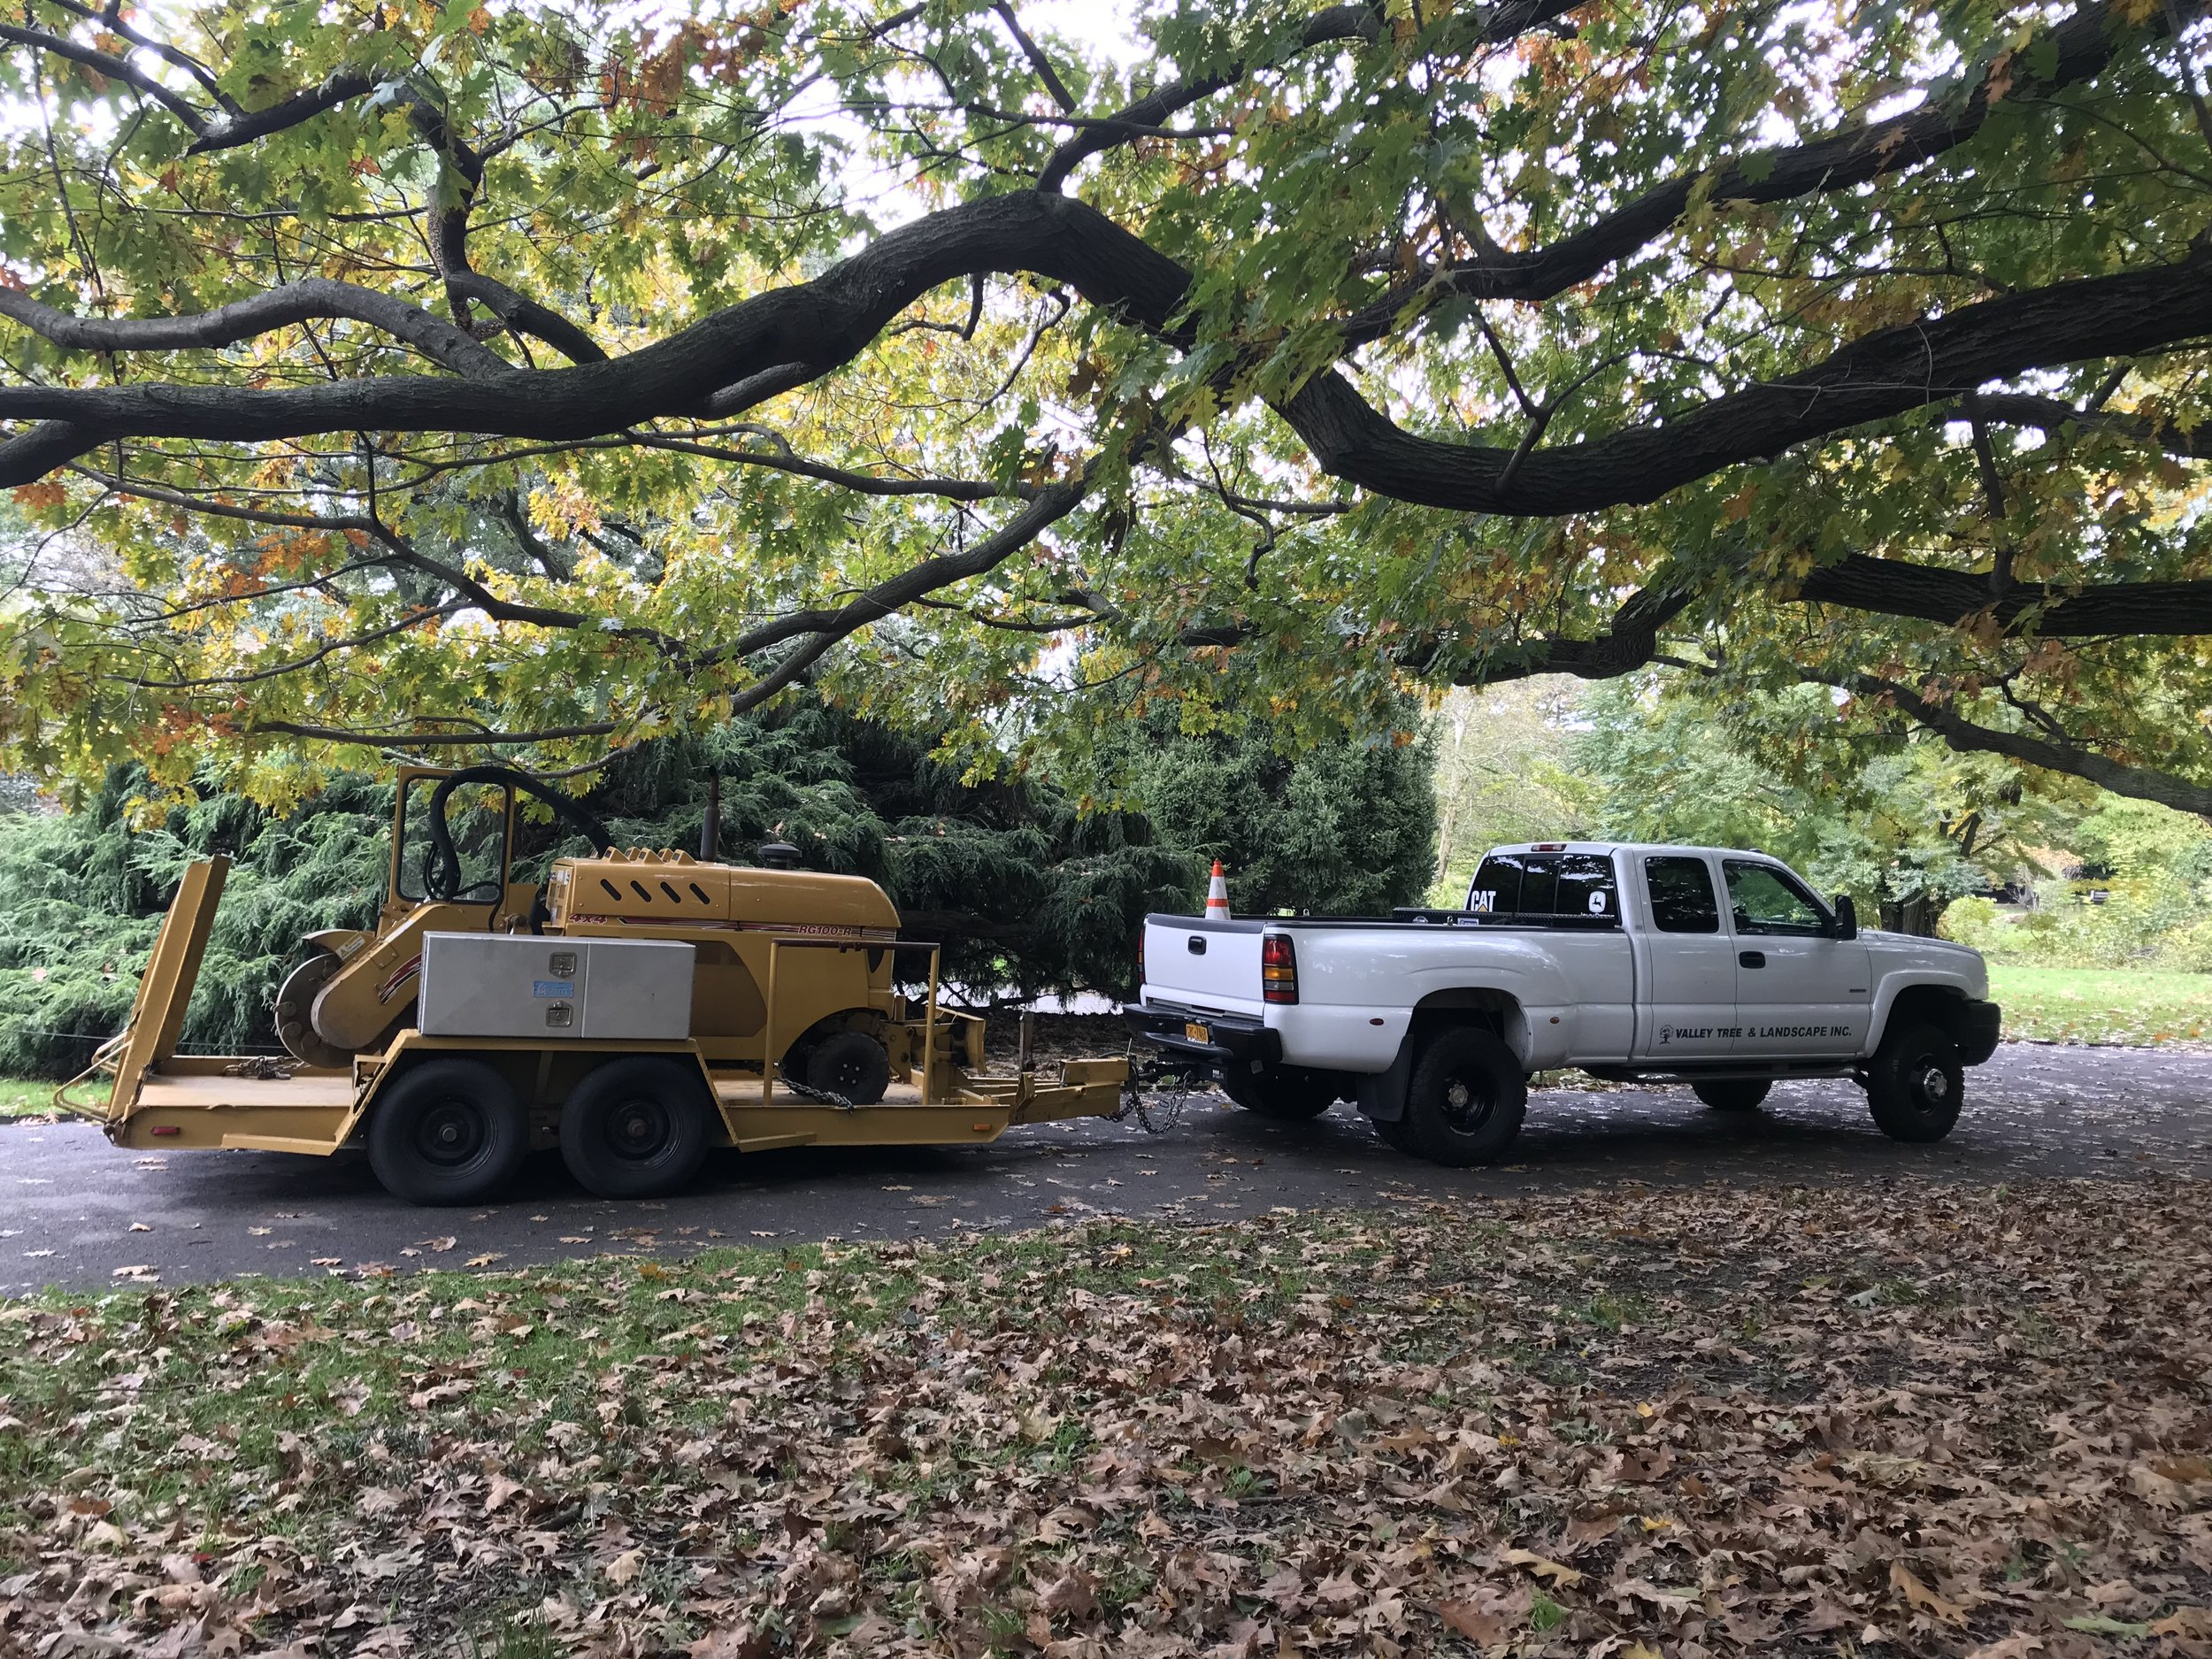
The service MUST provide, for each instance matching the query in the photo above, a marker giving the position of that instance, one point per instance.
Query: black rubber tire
(851, 1064)
(1467, 1099)
(1735, 1096)
(1394, 1133)
(1916, 1084)
(636, 1126)
(1288, 1093)
(449, 1131)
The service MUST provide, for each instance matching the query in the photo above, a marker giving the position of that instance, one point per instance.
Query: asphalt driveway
(75, 1211)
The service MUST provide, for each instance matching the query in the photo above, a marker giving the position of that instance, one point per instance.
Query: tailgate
(1210, 966)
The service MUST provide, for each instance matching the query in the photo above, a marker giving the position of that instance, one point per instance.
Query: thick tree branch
(1968, 737)
(525, 316)
(233, 132)
(784, 336)
(433, 739)
(1147, 114)
(1892, 588)
(1051, 504)
(313, 298)
(2073, 51)
(1035, 53)
(109, 64)
(1630, 643)
(2050, 414)
(1878, 375)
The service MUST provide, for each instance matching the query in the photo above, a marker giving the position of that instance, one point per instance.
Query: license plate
(1197, 1032)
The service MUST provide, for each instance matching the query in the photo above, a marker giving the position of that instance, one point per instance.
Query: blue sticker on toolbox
(552, 987)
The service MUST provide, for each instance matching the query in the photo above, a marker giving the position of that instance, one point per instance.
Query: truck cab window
(1764, 900)
(1682, 899)
(1586, 888)
(1539, 883)
(1497, 889)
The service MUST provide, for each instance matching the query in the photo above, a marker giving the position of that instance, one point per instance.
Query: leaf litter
(1881, 1417)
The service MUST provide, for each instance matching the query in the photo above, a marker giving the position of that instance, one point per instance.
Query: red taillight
(1278, 969)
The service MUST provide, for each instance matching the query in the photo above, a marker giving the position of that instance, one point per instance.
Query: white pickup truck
(1701, 965)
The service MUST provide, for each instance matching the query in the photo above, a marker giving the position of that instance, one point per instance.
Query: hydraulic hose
(446, 884)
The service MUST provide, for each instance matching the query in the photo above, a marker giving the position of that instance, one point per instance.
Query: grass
(2114, 1005)
(25, 1097)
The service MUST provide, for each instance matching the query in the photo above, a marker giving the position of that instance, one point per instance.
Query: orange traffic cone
(1217, 895)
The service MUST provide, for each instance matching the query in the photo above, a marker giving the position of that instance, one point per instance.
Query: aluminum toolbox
(525, 985)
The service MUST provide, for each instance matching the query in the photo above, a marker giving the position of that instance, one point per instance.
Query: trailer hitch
(1171, 1077)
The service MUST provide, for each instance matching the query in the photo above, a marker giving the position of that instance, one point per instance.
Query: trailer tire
(1288, 1093)
(851, 1065)
(1735, 1096)
(1916, 1084)
(1467, 1100)
(449, 1131)
(636, 1127)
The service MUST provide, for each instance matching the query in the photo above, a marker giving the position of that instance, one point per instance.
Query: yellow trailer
(449, 1118)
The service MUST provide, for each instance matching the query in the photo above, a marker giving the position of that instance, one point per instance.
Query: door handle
(1752, 958)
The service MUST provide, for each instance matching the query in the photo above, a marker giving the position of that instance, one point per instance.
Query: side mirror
(1846, 917)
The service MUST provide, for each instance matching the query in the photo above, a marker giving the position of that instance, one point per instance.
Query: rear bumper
(1980, 1031)
(1230, 1040)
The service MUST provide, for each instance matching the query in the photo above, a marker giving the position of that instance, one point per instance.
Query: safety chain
(1160, 1076)
(807, 1091)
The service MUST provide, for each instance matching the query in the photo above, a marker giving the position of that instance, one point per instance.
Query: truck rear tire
(1737, 1095)
(449, 1131)
(1468, 1096)
(636, 1127)
(1916, 1084)
(1285, 1093)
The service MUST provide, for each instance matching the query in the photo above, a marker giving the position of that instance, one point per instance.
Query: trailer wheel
(1740, 1095)
(447, 1132)
(1915, 1085)
(1467, 1099)
(851, 1064)
(636, 1127)
(1287, 1093)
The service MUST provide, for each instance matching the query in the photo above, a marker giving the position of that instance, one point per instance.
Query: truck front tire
(1916, 1084)
(1287, 1093)
(636, 1127)
(1468, 1096)
(449, 1131)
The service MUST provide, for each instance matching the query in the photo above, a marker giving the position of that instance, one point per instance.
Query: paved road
(75, 1210)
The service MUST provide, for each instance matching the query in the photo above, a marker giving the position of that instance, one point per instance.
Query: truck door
(1800, 990)
(1686, 991)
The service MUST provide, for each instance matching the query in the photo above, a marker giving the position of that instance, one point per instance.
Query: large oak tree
(532, 378)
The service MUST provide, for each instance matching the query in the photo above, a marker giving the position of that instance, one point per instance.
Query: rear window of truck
(1682, 899)
(1546, 887)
